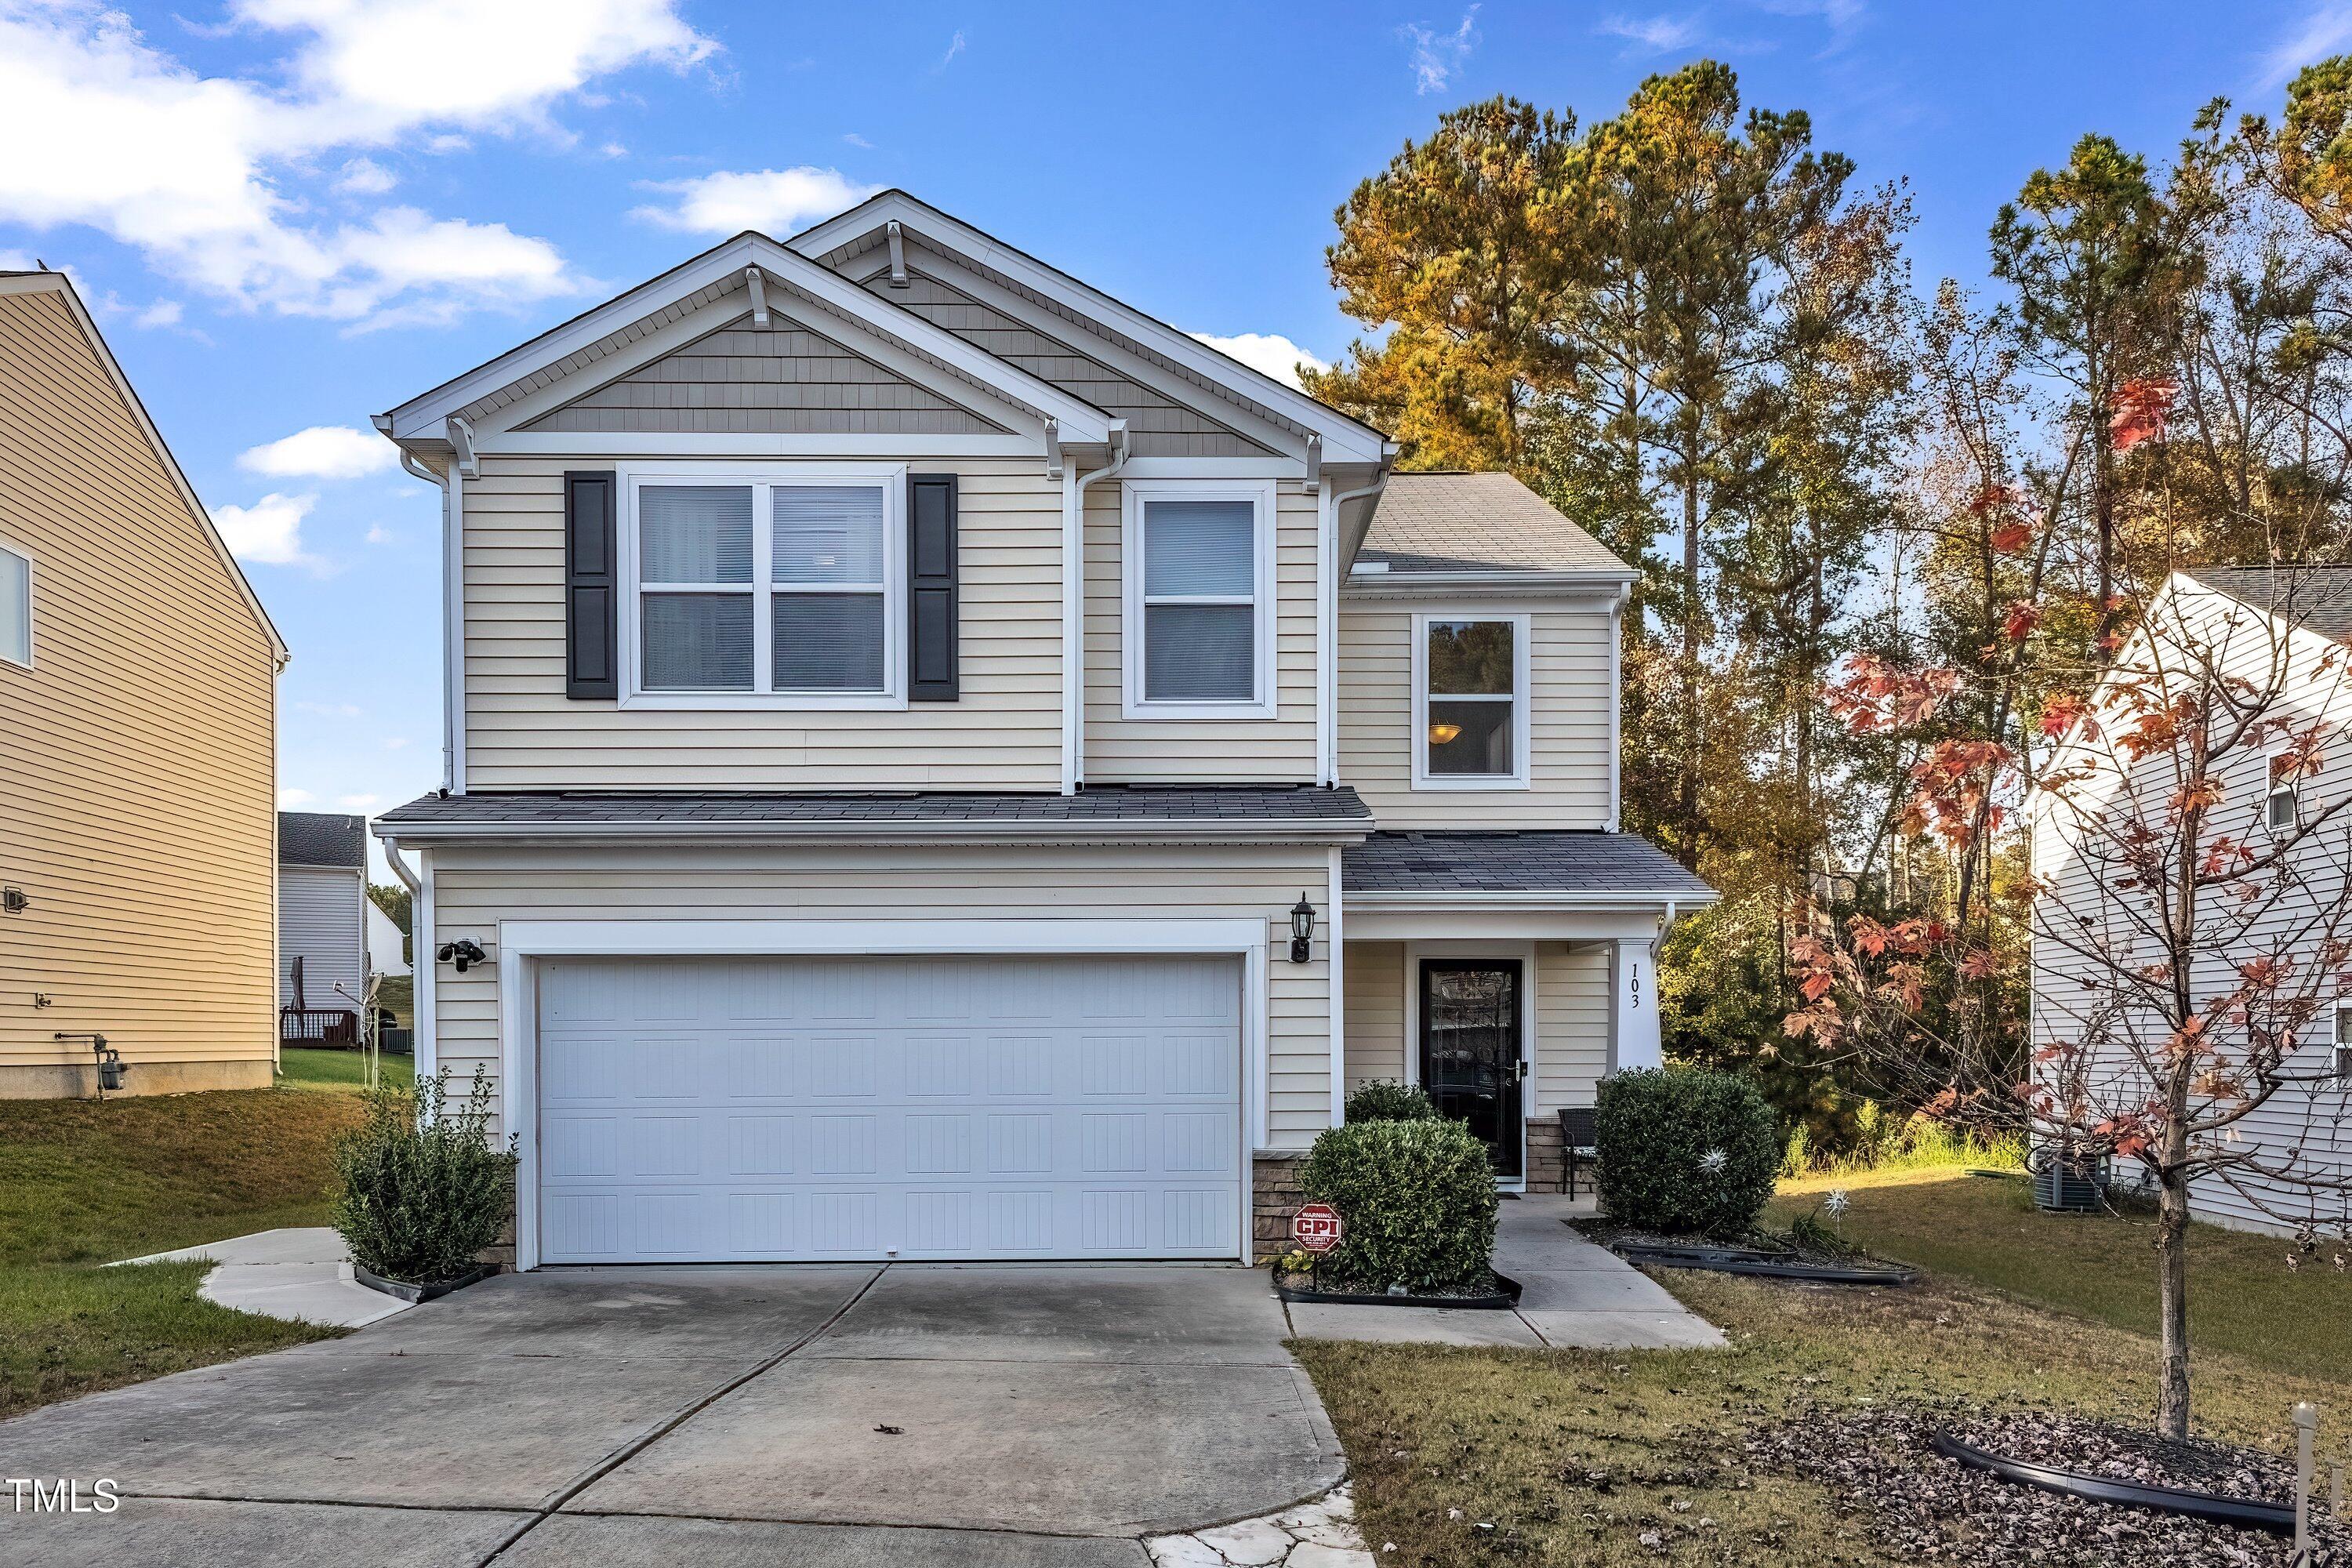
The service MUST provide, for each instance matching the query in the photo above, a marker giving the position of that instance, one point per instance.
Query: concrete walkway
(1575, 1295)
(303, 1273)
(817, 1416)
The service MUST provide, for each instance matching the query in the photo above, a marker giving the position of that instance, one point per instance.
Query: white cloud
(774, 201)
(395, 743)
(378, 534)
(854, 140)
(955, 48)
(162, 313)
(1658, 34)
(287, 799)
(329, 709)
(204, 174)
(1438, 57)
(269, 530)
(358, 801)
(2324, 32)
(321, 452)
(1269, 352)
(365, 177)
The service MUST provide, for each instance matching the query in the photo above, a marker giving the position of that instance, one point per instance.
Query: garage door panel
(1086, 1127)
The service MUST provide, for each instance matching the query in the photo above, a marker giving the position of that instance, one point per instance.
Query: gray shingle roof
(1565, 862)
(2318, 598)
(1476, 522)
(583, 808)
(321, 839)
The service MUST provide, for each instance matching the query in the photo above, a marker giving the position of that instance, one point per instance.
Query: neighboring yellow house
(138, 739)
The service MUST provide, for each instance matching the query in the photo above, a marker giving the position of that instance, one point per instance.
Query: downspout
(452, 647)
(1074, 623)
(1616, 714)
(420, 962)
(1326, 614)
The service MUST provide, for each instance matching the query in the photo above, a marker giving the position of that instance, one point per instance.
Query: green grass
(303, 1067)
(83, 1183)
(2242, 1298)
(2021, 1311)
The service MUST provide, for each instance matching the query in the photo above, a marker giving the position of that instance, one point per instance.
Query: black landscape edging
(2246, 1513)
(1765, 1265)
(432, 1292)
(1498, 1300)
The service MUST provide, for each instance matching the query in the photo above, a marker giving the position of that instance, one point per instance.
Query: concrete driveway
(819, 1416)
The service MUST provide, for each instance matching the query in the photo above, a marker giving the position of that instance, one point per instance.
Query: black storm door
(1470, 1050)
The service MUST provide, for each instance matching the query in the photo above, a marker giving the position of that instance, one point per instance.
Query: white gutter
(1074, 608)
(1327, 623)
(1616, 711)
(453, 648)
(1129, 830)
(1517, 899)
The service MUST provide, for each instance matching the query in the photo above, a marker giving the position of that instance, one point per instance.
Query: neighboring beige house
(138, 701)
(940, 764)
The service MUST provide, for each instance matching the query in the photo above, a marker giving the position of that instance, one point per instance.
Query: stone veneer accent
(1275, 1196)
(1546, 1157)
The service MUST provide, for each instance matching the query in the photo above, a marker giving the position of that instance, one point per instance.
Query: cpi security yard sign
(1316, 1229)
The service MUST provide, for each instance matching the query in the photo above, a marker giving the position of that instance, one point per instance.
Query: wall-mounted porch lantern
(1302, 930)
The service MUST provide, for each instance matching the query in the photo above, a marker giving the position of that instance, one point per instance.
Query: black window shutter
(931, 608)
(591, 593)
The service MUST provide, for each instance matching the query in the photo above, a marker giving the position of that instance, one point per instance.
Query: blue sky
(292, 214)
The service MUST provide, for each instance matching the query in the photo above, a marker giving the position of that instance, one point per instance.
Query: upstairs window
(2340, 1044)
(772, 590)
(2280, 811)
(1470, 701)
(1198, 618)
(15, 606)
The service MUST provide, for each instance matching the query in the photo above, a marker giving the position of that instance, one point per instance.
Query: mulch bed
(1922, 1507)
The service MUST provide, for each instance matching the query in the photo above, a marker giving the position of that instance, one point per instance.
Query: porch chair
(1576, 1139)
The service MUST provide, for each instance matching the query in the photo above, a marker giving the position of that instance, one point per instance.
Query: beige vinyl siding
(1572, 1015)
(474, 888)
(1158, 425)
(137, 757)
(1375, 986)
(2313, 1121)
(1571, 1025)
(1004, 733)
(778, 380)
(1571, 723)
(1148, 751)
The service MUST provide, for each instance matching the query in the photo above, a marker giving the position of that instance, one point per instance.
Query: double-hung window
(2339, 1040)
(2280, 808)
(1199, 622)
(15, 606)
(1470, 718)
(774, 590)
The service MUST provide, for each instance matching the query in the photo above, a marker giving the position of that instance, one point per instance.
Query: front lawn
(83, 1184)
(1469, 1456)
(308, 1068)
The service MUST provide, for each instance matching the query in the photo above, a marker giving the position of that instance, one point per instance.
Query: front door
(1470, 1056)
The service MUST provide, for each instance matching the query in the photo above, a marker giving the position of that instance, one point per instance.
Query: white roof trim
(420, 420)
(1344, 440)
(1137, 830)
(1465, 900)
(57, 283)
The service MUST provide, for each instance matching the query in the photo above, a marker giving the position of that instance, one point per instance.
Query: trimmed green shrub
(1416, 1202)
(1685, 1150)
(423, 1187)
(1385, 1099)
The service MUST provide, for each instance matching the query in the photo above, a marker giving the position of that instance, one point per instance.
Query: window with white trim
(15, 606)
(782, 591)
(1470, 701)
(2279, 804)
(1200, 619)
(2339, 1041)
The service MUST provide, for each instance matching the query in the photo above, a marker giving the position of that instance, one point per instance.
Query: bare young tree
(2190, 913)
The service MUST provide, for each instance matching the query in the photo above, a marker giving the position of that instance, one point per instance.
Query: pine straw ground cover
(1494, 1455)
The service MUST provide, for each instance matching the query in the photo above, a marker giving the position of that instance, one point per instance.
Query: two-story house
(138, 740)
(942, 764)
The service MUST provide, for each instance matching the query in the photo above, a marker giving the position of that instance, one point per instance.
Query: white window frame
(11, 547)
(1522, 777)
(2291, 789)
(2339, 1049)
(890, 477)
(1138, 494)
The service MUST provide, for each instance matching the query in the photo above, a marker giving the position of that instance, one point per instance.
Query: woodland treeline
(1696, 333)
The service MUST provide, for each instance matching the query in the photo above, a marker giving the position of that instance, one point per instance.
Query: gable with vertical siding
(1158, 425)
(778, 380)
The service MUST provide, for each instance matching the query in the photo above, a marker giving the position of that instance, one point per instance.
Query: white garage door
(792, 1109)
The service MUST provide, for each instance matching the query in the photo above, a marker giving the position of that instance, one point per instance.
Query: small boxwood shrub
(1385, 1099)
(1416, 1202)
(1685, 1150)
(423, 1187)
